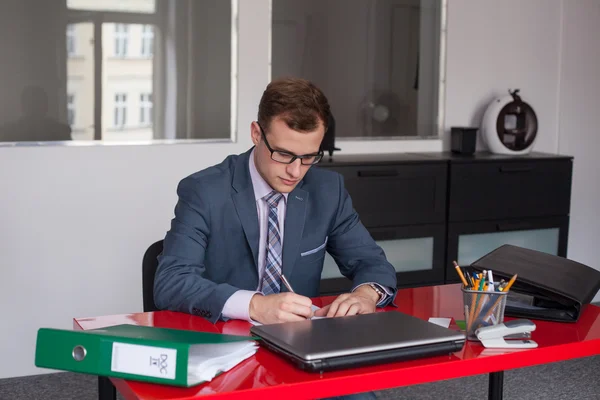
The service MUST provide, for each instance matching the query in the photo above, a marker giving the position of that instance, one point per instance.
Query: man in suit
(241, 224)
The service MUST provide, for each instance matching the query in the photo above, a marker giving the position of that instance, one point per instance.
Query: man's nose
(293, 169)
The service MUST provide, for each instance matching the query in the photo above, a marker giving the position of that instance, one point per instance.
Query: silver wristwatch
(378, 291)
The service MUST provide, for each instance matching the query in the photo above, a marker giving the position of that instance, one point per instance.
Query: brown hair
(297, 101)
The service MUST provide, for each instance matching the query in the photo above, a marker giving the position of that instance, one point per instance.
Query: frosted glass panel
(473, 246)
(414, 254)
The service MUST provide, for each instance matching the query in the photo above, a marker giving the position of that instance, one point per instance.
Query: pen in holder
(482, 308)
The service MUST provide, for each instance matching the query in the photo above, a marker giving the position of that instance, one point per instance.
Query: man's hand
(281, 307)
(362, 301)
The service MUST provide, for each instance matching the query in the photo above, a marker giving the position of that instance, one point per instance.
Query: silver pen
(286, 283)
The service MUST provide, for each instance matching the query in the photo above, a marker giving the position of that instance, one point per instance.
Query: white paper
(207, 360)
(445, 322)
(136, 359)
(313, 307)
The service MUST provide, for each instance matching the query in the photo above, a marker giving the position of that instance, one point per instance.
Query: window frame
(120, 110)
(146, 109)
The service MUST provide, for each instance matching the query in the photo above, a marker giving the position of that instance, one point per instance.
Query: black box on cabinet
(463, 140)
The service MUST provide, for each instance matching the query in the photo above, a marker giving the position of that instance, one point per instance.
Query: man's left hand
(362, 301)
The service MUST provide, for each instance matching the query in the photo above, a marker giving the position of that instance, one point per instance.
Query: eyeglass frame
(319, 155)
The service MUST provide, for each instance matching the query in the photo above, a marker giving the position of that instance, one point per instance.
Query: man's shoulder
(216, 174)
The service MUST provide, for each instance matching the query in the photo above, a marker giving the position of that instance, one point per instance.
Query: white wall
(579, 120)
(498, 45)
(75, 221)
(547, 49)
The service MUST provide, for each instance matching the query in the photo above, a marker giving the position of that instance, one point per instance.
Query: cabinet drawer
(395, 195)
(496, 190)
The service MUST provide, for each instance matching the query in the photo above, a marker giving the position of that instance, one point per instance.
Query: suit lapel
(295, 216)
(245, 204)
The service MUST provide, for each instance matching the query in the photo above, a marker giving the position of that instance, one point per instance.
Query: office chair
(149, 265)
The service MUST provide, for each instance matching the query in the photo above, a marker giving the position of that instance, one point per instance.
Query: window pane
(147, 45)
(376, 60)
(139, 6)
(414, 254)
(127, 78)
(39, 75)
(471, 247)
(80, 81)
(121, 40)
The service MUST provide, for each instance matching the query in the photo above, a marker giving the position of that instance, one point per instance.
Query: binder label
(158, 362)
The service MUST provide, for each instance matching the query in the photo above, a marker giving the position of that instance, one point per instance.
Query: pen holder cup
(482, 309)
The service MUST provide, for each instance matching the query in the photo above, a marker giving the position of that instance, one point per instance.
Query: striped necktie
(271, 280)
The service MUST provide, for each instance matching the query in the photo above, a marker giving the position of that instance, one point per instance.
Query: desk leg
(106, 390)
(495, 388)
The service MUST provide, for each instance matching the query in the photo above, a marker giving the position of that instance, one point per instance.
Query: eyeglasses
(285, 157)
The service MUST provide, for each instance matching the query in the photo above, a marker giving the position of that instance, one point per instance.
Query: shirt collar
(261, 187)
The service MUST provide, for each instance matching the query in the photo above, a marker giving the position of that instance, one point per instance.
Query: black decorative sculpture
(328, 143)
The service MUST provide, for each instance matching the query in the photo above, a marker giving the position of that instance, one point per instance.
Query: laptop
(328, 344)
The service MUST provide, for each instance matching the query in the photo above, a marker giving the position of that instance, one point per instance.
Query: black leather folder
(547, 287)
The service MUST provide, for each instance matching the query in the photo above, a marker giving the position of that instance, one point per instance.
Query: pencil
(510, 283)
(460, 274)
(490, 310)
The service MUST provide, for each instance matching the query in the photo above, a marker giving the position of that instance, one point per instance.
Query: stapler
(493, 336)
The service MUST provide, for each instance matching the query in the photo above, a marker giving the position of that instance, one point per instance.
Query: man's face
(284, 177)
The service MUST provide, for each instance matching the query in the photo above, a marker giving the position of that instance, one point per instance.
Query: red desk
(266, 376)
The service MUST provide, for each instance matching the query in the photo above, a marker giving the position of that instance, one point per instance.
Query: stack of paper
(209, 360)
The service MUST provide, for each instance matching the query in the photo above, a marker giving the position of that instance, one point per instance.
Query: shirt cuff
(386, 291)
(237, 305)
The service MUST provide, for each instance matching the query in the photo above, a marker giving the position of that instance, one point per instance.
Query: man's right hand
(281, 307)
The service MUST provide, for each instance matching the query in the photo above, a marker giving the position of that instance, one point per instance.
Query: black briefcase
(548, 287)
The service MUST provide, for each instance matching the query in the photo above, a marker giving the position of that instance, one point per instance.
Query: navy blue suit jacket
(211, 249)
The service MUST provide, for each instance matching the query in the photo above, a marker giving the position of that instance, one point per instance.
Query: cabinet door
(516, 189)
(395, 195)
(416, 252)
(469, 241)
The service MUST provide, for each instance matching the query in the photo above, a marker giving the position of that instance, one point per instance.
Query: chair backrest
(149, 265)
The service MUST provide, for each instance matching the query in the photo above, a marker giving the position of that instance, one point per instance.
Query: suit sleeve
(354, 250)
(180, 283)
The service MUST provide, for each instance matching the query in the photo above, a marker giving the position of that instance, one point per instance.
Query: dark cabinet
(427, 209)
(515, 189)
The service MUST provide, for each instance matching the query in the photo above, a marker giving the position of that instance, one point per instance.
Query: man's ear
(255, 132)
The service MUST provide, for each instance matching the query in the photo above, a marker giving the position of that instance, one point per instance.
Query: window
(146, 109)
(71, 51)
(121, 76)
(378, 61)
(120, 110)
(71, 109)
(147, 48)
(121, 40)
